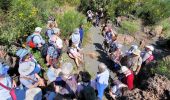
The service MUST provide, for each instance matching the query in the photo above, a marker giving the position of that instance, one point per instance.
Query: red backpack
(151, 58)
(30, 41)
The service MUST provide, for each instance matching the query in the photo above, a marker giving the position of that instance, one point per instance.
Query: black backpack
(45, 47)
(88, 93)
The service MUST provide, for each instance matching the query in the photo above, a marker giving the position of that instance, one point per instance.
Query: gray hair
(102, 67)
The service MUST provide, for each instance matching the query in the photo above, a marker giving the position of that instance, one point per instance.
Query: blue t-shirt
(49, 32)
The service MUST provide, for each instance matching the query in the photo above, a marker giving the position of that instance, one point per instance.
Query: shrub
(129, 27)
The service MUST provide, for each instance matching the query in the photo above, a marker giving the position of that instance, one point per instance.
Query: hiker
(75, 54)
(113, 44)
(75, 37)
(102, 80)
(147, 55)
(97, 20)
(26, 56)
(86, 88)
(81, 31)
(50, 31)
(129, 77)
(131, 49)
(53, 73)
(66, 84)
(7, 83)
(134, 61)
(90, 15)
(35, 40)
(28, 76)
(100, 12)
(116, 56)
(117, 89)
(107, 39)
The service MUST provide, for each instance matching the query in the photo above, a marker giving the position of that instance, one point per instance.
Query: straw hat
(102, 67)
(33, 94)
(150, 47)
(66, 68)
(136, 52)
(25, 68)
(76, 31)
(22, 52)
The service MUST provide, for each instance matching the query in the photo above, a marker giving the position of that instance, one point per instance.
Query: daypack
(151, 58)
(45, 47)
(88, 93)
(51, 32)
(30, 42)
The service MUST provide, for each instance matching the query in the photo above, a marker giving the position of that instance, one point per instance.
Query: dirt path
(95, 47)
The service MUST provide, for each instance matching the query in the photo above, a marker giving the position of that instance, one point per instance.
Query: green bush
(163, 68)
(69, 21)
(129, 27)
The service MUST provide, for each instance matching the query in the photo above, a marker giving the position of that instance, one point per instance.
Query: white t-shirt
(59, 43)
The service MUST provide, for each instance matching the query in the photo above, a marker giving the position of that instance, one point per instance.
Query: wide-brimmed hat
(22, 52)
(66, 68)
(38, 29)
(33, 94)
(136, 52)
(124, 69)
(26, 68)
(150, 47)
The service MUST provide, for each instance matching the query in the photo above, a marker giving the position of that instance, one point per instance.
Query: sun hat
(22, 52)
(56, 30)
(66, 68)
(26, 68)
(33, 94)
(3, 69)
(150, 47)
(136, 52)
(38, 29)
(76, 31)
(124, 69)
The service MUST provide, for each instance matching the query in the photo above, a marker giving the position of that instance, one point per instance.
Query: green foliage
(166, 27)
(129, 27)
(163, 68)
(69, 21)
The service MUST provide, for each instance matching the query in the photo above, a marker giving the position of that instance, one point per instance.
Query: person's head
(149, 48)
(85, 77)
(114, 37)
(56, 31)
(38, 30)
(21, 53)
(102, 67)
(124, 70)
(26, 57)
(53, 39)
(136, 53)
(50, 24)
(3, 69)
(81, 25)
(76, 31)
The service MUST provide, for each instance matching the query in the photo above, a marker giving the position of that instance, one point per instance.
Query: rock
(123, 38)
(158, 30)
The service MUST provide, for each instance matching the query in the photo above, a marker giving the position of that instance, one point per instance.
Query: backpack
(30, 42)
(151, 58)
(88, 93)
(45, 47)
(52, 32)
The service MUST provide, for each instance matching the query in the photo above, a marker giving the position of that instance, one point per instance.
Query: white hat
(56, 30)
(33, 94)
(102, 67)
(66, 68)
(76, 31)
(25, 68)
(124, 69)
(38, 29)
(150, 47)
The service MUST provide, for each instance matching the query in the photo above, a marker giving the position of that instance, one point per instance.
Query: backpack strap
(5, 87)
(28, 78)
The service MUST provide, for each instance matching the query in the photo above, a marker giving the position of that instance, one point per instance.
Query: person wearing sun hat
(147, 55)
(134, 61)
(28, 76)
(66, 84)
(75, 37)
(129, 77)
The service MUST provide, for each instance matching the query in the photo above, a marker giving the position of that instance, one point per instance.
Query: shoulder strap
(7, 88)
(27, 78)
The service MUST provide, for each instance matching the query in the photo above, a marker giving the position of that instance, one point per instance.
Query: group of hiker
(61, 83)
(128, 63)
